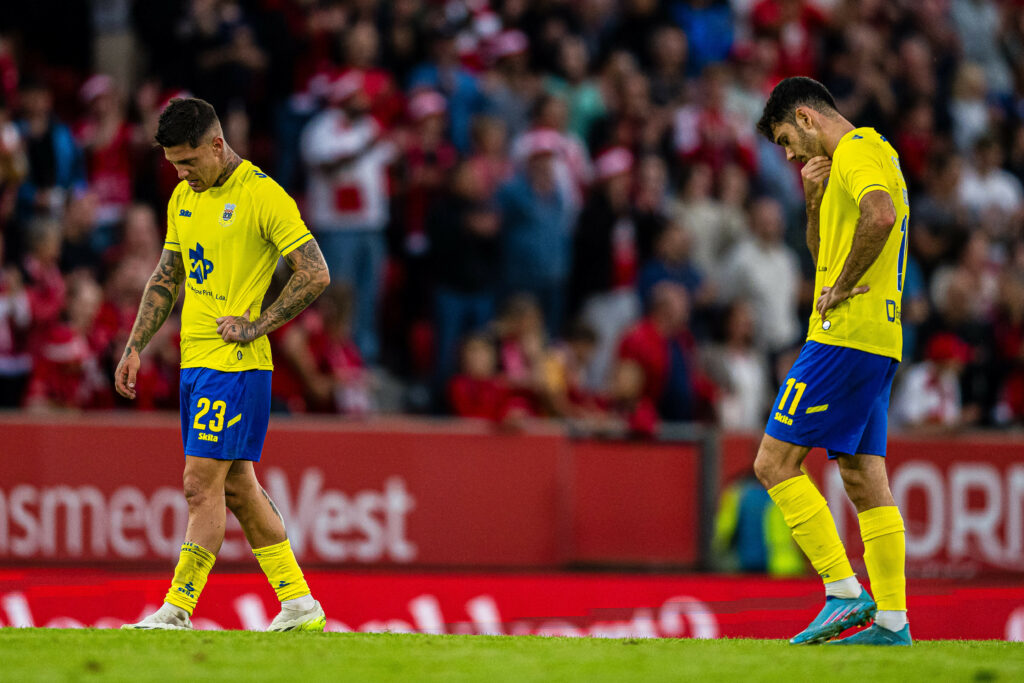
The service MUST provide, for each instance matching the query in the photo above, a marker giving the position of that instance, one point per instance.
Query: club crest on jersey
(227, 216)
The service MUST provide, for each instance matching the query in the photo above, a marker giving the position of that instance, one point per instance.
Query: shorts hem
(215, 456)
(811, 445)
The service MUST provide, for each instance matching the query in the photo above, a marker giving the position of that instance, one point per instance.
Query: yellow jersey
(230, 238)
(863, 162)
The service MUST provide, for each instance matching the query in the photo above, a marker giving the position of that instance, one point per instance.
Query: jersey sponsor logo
(201, 266)
(186, 213)
(203, 436)
(227, 216)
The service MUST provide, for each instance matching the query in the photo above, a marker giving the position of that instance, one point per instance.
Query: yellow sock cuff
(885, 553)
(283, 572)
(880, 521)
(798, 499)
(194, 565)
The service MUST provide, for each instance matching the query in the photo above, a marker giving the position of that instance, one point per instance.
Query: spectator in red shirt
(108, 142)
(630, 406)
(322, 370)
(66, 371)
(140, 238)
(477, 391)
(709, 132)
(362, 48)
(521, 348)
(663, 347)
(490, 161)
(43, 280)
(794, 23)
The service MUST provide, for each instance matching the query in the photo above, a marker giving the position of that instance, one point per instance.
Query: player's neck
(233, 161)
(833, 131)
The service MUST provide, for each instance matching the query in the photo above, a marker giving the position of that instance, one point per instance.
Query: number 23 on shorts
(205, 406)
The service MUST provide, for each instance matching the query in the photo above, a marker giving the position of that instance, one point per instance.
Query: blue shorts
(836, 398)
(224, 415)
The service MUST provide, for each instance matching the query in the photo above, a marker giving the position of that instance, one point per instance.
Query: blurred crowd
(530, 208)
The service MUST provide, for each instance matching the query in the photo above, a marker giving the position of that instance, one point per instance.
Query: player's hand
(833, 296)
(127, 369)
(237, 328)
(814, 174)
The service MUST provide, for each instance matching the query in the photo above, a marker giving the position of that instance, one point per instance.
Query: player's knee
(765, 468)
(856, 484)
(198, 492)
(236, 495)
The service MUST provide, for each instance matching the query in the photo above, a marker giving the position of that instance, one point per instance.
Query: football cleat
(312, 619)
(876, 635)
(167, 618)
(838, 615)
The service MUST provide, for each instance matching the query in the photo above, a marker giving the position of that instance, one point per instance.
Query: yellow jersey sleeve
(279, 219)
(860, 169)
(172, 242)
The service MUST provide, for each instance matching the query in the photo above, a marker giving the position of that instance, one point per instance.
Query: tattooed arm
(309, 278)
(157, 302)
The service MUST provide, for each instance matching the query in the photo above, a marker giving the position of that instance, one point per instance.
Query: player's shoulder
(861, 143)
(179, 192)
(260, 186)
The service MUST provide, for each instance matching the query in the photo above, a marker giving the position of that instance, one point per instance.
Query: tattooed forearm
(309, 278)
(157, 301)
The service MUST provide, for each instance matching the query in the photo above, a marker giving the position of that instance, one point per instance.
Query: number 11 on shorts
(800, 387)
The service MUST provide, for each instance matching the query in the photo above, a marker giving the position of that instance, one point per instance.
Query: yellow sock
(194, 565)
(807, 515)
(885, 553)
(278, 563)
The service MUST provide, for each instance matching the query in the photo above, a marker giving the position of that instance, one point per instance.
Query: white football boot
(292, 619)
(167, 618)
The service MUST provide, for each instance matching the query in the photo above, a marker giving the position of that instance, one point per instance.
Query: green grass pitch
(90, 655)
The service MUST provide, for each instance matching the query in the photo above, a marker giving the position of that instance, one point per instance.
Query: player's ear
(803, 118)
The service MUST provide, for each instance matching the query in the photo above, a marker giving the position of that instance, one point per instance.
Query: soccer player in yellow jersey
(227, 225)
(837, 394)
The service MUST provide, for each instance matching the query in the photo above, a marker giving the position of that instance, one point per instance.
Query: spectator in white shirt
(765, 271)
(347, 162)
(990, 192)
(928, 397)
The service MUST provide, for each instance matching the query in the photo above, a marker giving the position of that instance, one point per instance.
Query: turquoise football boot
(876, 635)
(838, 615)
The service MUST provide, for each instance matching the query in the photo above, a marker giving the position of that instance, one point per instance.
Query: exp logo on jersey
(201, 267)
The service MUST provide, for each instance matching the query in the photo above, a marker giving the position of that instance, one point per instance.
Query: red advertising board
(106, 490)
(962, 499)
(563, 604)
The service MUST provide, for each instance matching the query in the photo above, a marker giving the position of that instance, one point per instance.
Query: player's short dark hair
(789, 94)
(185, 120)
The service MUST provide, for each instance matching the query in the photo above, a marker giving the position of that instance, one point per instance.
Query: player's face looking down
(801, 140)
(200, 166)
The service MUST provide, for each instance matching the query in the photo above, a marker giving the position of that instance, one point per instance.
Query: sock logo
(188, 589)
(283, 584)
